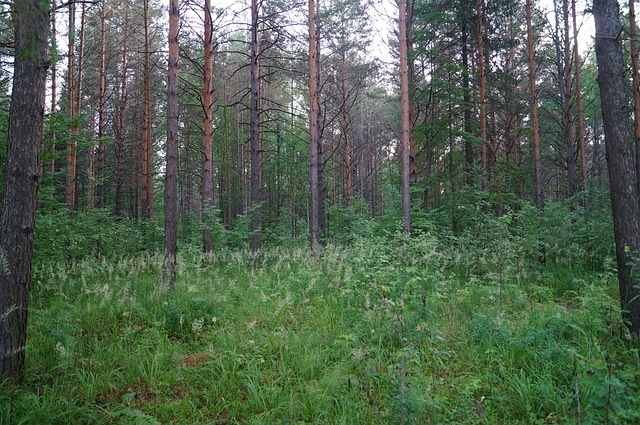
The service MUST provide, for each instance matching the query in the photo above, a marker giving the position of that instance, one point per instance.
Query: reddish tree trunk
(171, 170)
(314, 112)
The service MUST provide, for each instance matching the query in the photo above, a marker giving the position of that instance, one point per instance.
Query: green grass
(376, 333)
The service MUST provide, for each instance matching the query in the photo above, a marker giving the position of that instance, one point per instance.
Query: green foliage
(451, 325)
(61, 237)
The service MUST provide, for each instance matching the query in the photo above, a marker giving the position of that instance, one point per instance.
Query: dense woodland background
(318, 279)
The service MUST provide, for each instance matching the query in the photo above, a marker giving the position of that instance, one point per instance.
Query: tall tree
(405, 129)
(72, 142)
(635, 81)
(537, 167)
(254, 132)
(620, 156)
(207, 145)
(171, 167)
(481, 89)
(579, 108)
(314, 131)
(26, 115)
(147, 154)
(100, 192)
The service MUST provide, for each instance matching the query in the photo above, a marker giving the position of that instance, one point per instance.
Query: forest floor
(376, 333)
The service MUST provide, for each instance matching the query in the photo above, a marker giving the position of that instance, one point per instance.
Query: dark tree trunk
(405, 123)
(466, 96)
(620, 156)
(537, 173)
(207, 157)
(254, 136)
(26, 115)
(171, 176)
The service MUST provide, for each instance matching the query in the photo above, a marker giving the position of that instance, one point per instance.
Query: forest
(320, 211)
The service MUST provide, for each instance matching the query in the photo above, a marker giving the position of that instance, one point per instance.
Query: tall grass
(382, 331)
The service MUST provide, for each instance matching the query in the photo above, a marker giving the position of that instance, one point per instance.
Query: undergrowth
(382, 331)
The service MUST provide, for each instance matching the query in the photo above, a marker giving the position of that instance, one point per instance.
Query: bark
(119, 148)
(579, 111)
(54, 94)
(72, 143)
(100, 193)
(481, 89)
(26, 115)
(413, 102)
(314, 112)
(254, 136)
(633, 35)
(568, 103)
(537, 173)
(405, 124)
(171, 170)
(207, 99)
(466, 97)
(147, 163)
(620, 158)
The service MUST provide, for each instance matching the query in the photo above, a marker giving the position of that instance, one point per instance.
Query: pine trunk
(405, 124)
(620, 158)
(207, 157)
(255, 131)
(314, 112)
(537, 174)
(26, 115)
(171, 170)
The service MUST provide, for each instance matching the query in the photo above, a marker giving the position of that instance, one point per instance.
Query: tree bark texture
(147, 155)
(254, 135)
(620, 158)
(171, 173)
(314, 112)
(72, 143)
(579, 108)
(26, 115)
(537, 173)
(100, 192)
(635, 81)
(207, 157)
(482, 101)
(405, 129)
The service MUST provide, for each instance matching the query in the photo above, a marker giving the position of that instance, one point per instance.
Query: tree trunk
(26, 115)
(314, 112)
(580, 111)
(72, 144)
(171, 171)
(405, 124)
(481, 89)
(466, 98)
(207, 157)
(620, 158)
(147, 155)
(119, 146)
(100, 193)
(537, 173)
(254, 136)
(54, 94)
(568, 103)
(633, 35)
